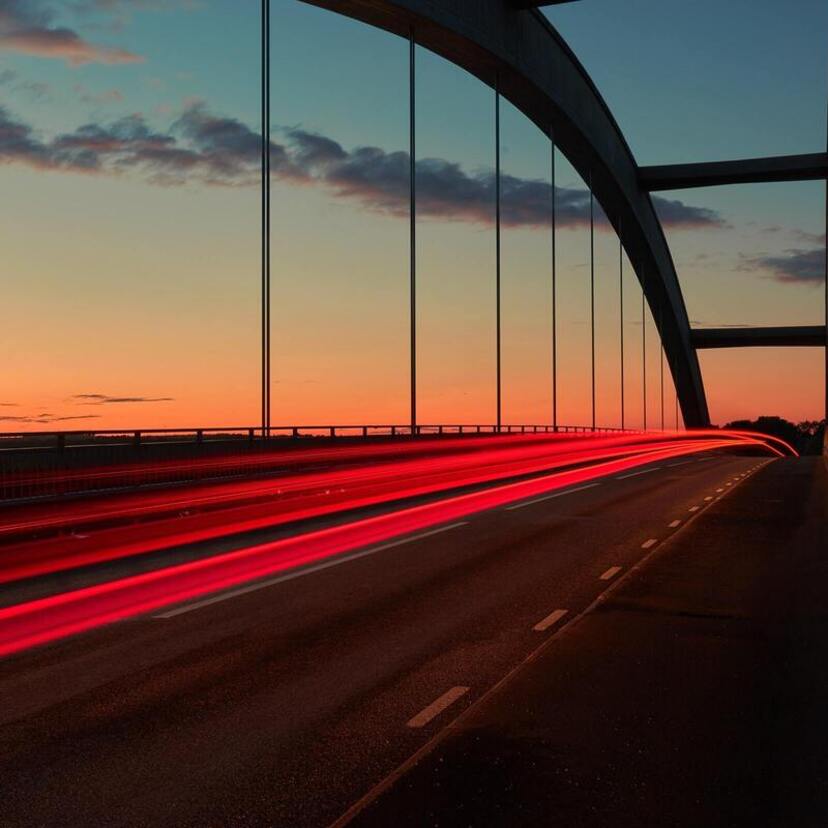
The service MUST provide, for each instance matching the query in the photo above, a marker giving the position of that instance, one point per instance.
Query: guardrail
(38, 464)
(11, 440)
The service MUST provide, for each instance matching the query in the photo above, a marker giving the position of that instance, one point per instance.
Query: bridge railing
(51, 440)
(37, 464)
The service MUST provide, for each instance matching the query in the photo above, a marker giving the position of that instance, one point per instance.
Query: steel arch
(539, 74)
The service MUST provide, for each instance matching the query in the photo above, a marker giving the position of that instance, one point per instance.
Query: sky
(129, 138)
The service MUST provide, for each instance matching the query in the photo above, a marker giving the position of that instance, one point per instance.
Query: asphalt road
(288, 703)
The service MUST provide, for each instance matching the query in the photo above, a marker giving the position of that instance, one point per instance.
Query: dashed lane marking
(550, 619)
(437, 707)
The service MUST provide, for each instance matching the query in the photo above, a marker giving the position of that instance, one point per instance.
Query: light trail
(48, 619)
(467, 453)
(289, 500)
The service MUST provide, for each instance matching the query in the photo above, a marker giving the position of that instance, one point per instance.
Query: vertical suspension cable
(554, 289)
(265, 208)
(592, 289)
(621, 304)
(412, 233)
(661, 360)
(644, 353)
(497, 242)
(675, 397)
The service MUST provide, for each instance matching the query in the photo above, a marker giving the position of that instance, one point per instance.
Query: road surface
(288, 702)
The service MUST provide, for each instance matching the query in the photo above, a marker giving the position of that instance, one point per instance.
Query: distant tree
(806, 437)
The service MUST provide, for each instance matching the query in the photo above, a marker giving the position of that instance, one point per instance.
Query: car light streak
(300, 498)
(55, 617)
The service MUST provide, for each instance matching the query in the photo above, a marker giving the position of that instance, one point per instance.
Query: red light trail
(48, 619)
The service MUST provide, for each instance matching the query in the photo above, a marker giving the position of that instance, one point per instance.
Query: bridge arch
(538, 73)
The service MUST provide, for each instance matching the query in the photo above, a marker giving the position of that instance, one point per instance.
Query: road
(287, 703)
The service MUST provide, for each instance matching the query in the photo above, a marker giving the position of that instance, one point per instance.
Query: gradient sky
(131, 240)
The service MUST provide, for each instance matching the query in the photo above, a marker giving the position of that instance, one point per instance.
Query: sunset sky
(130, 227)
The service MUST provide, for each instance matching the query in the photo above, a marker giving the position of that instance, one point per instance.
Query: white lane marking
(648, 543)
(635, 474)
(709, 497)
(682, 463)
(694, 509)
(437, 707)
(719, 490)
(610, 573)
(224, 596)
(674, 524)
(550, 496)
(550, 619)
(728, 483)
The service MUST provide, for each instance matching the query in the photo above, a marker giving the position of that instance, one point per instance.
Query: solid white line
(550, 619)
(682, 463)
(694, 509)
(549, 497)
(300, 572)
(635, 474)
(610, 573)
(437, 707)
(674, 524)
(648, 543)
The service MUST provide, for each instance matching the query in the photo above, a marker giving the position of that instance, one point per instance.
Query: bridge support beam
(809, 336)
(813, 167)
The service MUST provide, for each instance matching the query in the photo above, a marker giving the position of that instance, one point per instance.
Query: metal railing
(11, 440)
(38, 464)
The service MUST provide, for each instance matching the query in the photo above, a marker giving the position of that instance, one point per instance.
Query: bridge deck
(694, 695)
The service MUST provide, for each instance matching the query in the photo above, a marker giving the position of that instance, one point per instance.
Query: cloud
(795, 266)
(27, 27)
(202, 146)
(674, 213)
(379, 181)
(106, 399)
(45, 419)
(198, 146)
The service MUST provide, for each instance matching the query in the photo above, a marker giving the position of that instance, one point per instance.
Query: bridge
(617, 619)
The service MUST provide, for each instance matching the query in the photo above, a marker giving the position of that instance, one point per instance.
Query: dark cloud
(674, 213)
(379, 180)
(804, 267)
(45, 419)
(197, 146)
(105, 399)
(205, 147)
(28, 27)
